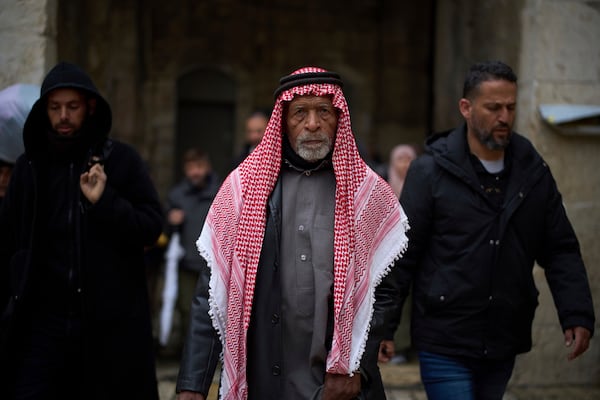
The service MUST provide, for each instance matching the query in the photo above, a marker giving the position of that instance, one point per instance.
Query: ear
(91, 106)
(464, 105)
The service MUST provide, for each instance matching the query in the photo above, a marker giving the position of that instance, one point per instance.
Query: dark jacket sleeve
(7, 244)
(416, 201)
(565, 272)
(386, 304)
(15, 253)
(202, 346)
(129, 207)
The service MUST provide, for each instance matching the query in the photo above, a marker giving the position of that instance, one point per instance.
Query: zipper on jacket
(74, 262)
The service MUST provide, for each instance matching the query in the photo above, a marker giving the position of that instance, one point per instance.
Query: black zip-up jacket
(474, 294)
(62, 255)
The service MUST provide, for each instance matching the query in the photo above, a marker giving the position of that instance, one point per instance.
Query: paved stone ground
(402, 382)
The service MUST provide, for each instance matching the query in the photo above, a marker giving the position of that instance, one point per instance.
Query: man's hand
(175, 216)
(93, 182)
(581, 337)
(341, 387)
(185, 395)
(386, 351)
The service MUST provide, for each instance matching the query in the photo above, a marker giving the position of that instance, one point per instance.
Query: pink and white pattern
(369, 234)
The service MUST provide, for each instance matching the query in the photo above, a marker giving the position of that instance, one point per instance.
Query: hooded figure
(77, 214)
(298, 240)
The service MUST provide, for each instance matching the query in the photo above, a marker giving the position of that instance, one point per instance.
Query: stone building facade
(190, 72)
(186, 73)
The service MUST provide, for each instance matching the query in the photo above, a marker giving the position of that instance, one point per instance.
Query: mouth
(64, 130)
(314, 142)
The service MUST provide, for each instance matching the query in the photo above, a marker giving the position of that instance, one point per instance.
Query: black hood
(65, 75)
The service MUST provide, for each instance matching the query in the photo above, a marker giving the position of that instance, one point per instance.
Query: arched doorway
(206, 117)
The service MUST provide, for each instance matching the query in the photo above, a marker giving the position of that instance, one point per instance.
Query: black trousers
(49, 360)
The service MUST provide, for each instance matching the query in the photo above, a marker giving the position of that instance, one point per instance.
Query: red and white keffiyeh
(369, 234)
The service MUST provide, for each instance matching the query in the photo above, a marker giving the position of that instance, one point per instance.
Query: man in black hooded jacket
(483, 208)
(78, 212)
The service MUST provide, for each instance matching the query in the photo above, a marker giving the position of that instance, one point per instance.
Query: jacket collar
(451, 151)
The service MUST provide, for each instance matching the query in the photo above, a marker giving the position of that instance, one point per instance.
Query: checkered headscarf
(369, 234)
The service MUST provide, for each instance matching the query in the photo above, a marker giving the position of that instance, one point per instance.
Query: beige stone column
(27, 40)
(559, 63)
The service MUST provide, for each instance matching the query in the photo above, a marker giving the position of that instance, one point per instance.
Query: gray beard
(311, 154)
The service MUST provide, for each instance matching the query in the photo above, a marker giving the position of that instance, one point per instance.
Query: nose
(504, 115)
(64, 114)
(312, 121)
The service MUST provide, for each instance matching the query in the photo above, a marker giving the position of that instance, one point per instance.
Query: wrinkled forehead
(311, 100)
(328, 93)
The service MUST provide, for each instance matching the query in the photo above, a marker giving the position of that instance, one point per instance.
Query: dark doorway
(206, 117)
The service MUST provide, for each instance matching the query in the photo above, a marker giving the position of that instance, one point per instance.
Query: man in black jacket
(483, 208)
(77, 214)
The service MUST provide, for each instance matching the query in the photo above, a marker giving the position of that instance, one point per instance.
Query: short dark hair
(260, 112)
(486, 71)
(195, 154)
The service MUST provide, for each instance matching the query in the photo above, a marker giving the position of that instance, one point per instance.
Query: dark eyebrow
(498, 103)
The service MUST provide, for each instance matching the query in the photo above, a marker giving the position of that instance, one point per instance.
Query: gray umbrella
(15, 103)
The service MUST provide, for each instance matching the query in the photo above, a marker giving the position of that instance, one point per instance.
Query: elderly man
(78, 212)
(298, 239)
(484, 207)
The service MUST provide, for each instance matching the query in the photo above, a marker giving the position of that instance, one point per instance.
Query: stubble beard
(487, 138)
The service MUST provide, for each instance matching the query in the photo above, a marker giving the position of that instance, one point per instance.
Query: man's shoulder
(179, 189)
(120, 151)
(522, 143)
(424, 161)
(524, 151)
(117, 145)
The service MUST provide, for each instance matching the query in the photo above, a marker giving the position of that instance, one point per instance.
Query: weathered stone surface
(560, 43)
(559, 64)
(27, 45)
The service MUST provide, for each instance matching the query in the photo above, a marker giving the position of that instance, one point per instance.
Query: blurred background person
(400, 158)
(187, 205)
(255, 127)
(398, 349)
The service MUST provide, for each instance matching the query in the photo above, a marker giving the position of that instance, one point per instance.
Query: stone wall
(27, 40)
(468, 31)
(559, 62)
(137, 51)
